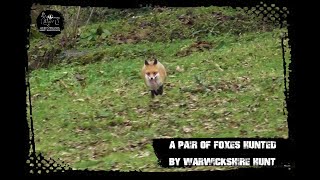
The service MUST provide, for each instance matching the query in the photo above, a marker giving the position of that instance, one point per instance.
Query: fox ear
(155, 61)
(146, 62)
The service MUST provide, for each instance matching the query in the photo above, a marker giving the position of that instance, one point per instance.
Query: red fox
(154, 75)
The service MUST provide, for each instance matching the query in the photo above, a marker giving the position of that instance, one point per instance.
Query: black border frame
(17, 85)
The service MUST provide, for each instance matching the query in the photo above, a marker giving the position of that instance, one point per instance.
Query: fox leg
(160, 90)
(157, 92)
(153, 93)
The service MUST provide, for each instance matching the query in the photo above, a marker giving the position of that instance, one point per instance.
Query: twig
(90, 16)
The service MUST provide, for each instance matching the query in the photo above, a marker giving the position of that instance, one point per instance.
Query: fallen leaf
(79, 77)
(78, 100)
(166, 137)
(186, 129)
(127, 123)
(194, 98)
(179, 69)
(144, 93)
(145, 154)
(243, 132)
(219, 68)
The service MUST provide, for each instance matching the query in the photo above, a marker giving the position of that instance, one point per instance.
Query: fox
(154, 75)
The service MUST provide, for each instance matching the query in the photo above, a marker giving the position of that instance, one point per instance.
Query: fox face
(151, 71)
(154, 74)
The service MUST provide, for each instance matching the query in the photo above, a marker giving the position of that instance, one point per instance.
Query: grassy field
(93, 111)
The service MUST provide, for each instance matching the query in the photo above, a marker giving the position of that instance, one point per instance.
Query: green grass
(234, 89)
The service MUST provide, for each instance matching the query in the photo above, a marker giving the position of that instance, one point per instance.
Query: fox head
(151, 70)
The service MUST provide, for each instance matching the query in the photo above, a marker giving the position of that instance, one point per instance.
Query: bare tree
(76, 23)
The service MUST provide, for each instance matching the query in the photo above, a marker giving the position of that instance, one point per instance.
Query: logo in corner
(51, 23)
